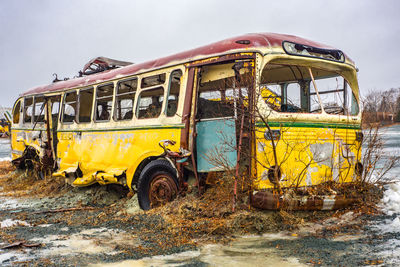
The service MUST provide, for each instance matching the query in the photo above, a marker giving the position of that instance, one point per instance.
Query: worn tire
(157, 176)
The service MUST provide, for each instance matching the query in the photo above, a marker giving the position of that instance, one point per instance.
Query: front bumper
(269, 201)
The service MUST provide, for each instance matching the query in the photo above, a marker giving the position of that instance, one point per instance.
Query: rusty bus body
(253, 104)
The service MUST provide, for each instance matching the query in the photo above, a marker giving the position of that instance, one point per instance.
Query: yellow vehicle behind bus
(279, 108)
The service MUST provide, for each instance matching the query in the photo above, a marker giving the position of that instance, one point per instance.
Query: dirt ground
(47, 222)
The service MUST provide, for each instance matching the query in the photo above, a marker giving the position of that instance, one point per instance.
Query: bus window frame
(160, 75)
(79, 105)
(20, 103)
(142, 89)
(114, 112)
(24, 111)
(168, 92)
(59, 105)
(42, 111)
(50, 100)
(349, 89)
(74, 121)
(137, 105)
(94, 115)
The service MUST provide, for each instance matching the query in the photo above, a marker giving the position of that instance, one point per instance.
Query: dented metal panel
(104, 155)
(308, 155)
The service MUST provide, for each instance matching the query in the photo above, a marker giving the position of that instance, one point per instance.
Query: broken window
(173, 93)
(271, 96)
(85, 105)
(124, 99)
(69, 108)
(28, 109)
(55, 106)
(292, 101)
(104, 97)
(153, 80)
(217, 93)
(39, 110)
(150, 103)
(211, 104)
(16, 112)
(289, 88)
(331, 93)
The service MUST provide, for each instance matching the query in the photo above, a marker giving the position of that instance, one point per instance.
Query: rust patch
(223, 58)
(186, 108)
(269, 201)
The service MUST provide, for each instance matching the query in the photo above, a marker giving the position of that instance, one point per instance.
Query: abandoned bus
(277, 110)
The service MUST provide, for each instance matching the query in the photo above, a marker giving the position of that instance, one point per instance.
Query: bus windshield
(298, 89)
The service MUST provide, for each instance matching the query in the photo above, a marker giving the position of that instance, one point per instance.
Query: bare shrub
(375, 161)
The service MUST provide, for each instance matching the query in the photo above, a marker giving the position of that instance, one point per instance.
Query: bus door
(53, 106)
(49, 109)
(220, 98)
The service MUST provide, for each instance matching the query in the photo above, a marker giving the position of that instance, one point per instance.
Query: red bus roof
(257, 40)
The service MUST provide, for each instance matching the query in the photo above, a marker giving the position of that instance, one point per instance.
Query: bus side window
(69, 108)
(17, 112)
(28, 109)
(104, 95)
(173, 92)
(39, 110)
(153, 80)
(149, 103)
(85, 105)
(55, 107)
(124, 99)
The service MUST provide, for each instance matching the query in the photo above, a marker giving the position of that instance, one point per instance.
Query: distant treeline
(382, 106)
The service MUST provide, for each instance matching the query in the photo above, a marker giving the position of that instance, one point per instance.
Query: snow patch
(10, 223)
(9, 257)
(391, 199)
(89, 241)
(5, 159)
(10, 204)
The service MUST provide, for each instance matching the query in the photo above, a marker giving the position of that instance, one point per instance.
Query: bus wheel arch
(157, 184)
(139, 169)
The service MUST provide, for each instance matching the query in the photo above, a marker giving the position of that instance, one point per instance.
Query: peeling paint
(322, 153)
(309, 156)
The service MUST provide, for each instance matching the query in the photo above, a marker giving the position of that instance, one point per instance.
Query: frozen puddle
(246, 251)
(91, 241)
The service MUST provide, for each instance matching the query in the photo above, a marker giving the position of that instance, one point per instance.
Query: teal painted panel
(216, 145)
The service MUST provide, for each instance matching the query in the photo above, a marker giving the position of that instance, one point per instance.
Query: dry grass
(17, 183)
(6, 167)
(193, 217)
(209, 218)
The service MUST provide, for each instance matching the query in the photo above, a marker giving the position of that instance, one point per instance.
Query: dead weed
(18, 183)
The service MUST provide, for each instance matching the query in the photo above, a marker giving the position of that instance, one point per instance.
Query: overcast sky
(42, 37)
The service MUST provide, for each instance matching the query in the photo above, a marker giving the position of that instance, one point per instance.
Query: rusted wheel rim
(162, 190)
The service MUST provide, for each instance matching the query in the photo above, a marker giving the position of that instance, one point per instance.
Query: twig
(21, 244)
(63, 210)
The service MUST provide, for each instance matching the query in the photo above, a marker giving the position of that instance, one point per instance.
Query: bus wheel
(157, 184)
